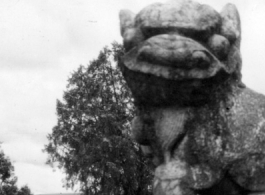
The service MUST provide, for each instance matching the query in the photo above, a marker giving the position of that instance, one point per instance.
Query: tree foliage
(8, 180)
(24, 190)
(91, 140)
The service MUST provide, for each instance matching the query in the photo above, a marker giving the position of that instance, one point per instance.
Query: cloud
(30, 168)
(25, 150)
(253, 45)
(29, 39)
(28, 104)
(40, 179)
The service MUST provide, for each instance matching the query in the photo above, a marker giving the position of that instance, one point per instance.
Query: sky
(43, 41)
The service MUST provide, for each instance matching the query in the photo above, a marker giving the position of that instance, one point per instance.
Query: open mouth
(173, 57)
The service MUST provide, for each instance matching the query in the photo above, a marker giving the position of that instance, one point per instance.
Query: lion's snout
(176, 51)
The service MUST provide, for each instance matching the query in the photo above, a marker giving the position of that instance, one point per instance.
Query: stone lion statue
(203, 128)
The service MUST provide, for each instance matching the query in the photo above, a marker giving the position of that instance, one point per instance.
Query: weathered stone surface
(230, 135)
(180, 59)
(178, 16)
(126, 20)
(231, 25)
(131, 36)
(219, 45)
(204, 129)
(175, 51)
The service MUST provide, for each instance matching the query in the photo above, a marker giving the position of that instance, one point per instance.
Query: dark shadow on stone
(225, 187)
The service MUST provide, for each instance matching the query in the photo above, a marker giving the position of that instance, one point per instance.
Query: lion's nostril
(200, 59)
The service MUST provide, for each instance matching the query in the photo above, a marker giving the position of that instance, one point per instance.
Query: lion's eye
(219, 45)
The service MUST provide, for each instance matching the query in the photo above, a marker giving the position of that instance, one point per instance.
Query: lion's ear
(126, 20)
(231, 29)
(231, 25)
(132, 35)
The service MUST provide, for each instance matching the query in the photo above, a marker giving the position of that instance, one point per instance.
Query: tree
(8, 180)
(24, 190)
(91, 140)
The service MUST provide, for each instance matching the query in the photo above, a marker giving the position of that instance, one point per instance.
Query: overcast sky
(42, 41)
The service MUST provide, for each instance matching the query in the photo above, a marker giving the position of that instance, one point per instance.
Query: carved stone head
(175, 48)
